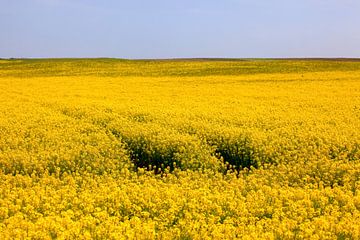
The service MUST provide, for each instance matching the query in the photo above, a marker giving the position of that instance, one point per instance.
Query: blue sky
(179, 28)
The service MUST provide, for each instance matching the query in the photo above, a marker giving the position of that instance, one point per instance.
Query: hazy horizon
(180, 29)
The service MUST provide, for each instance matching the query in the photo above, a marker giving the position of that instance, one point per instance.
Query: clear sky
(179, 28)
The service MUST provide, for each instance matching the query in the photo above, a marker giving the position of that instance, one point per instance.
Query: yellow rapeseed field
(179, 149)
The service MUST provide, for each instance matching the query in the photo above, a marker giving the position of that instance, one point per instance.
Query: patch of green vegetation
(158, 68)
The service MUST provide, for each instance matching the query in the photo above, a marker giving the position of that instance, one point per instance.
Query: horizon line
(189, 58)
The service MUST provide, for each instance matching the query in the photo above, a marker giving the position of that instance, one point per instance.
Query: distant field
(179, 149)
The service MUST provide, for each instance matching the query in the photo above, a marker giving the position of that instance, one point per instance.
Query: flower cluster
(110, 149)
